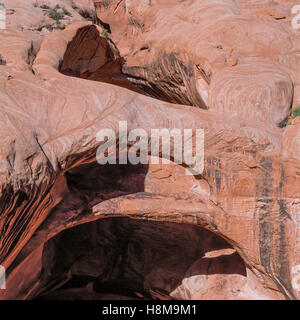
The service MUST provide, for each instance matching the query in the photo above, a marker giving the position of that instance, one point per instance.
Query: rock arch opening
(123, 258)
(136, 248)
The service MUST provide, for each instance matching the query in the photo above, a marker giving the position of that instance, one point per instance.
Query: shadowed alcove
(122, 258)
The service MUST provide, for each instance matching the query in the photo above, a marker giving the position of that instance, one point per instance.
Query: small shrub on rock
(105, 33)
(296, 113)
(55, 15)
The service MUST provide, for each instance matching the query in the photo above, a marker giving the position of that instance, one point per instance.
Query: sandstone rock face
(230, 68)
(246, 93)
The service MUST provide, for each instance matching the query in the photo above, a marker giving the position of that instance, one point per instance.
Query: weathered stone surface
(233, 70)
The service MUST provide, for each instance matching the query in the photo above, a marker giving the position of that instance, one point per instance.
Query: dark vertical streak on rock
(283, 262)
(273, 228)
(264, 206)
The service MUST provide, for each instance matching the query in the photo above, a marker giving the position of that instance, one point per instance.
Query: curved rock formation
(232, 68)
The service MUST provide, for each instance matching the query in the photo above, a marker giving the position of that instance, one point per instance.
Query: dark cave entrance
(122, 258)
(93, 57)
(118, 257)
